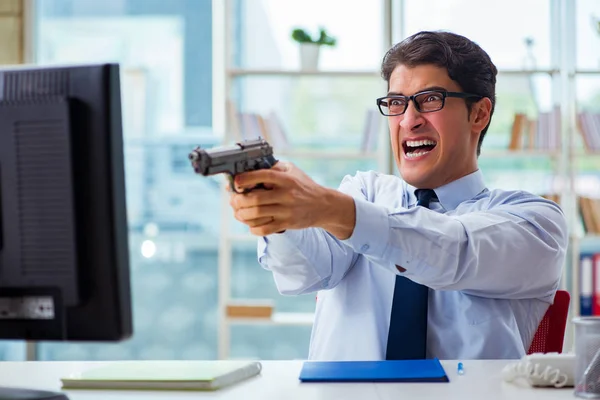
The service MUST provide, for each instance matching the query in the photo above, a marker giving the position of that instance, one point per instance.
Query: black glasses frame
(461, 95)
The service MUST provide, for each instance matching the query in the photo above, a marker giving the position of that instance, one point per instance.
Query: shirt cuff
(371, 230)
(284, 243)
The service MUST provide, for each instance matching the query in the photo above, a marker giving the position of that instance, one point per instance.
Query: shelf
(586, 153)
(291, 72)
(278, 318)
(587, 236)
(587, 72)
(585, 244)
(357, 73)
(331, 155)
(549, 71)
(493, 153)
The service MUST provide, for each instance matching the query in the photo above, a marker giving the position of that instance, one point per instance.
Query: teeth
(415, 154)
(417, 143)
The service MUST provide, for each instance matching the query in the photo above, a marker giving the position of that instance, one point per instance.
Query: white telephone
(543, 369)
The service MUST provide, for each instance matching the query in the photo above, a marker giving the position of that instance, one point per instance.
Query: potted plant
(596, 24)
(310, 47)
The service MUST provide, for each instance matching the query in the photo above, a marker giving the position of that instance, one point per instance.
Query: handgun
(244, 156)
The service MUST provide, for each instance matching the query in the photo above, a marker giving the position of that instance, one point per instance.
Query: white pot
(309, 56)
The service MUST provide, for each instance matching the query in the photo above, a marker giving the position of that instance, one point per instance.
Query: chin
(416, 178)
(417, 173)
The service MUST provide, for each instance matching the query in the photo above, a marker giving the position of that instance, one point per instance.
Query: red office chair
(550, 334)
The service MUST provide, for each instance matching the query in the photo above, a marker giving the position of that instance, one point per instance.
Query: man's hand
(292, 201)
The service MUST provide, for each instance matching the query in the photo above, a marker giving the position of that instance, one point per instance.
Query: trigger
(232, 184)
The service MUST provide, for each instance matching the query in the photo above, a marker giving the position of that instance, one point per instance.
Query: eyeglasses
(428, 101)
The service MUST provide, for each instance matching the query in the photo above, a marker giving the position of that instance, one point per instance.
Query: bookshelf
(583, 135)
(585, 239)
(240, 111)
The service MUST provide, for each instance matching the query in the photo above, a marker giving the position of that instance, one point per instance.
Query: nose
(412, 119)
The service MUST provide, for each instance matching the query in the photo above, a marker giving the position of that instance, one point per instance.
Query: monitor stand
(29, 394)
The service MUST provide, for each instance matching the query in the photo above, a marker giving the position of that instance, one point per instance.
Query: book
(429, 370)
(586, 284)
(250, 308)
(163, 375)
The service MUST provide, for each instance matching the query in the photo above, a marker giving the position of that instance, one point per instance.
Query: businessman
(432, 264)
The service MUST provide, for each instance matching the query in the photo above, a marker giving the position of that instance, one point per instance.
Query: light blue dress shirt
(491, 258)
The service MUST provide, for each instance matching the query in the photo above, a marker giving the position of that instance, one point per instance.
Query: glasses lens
(430, 101)
(394, 106)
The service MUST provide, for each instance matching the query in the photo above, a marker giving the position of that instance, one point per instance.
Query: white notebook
(163, 375)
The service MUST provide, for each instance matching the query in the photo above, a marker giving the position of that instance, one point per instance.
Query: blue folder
(429, 370)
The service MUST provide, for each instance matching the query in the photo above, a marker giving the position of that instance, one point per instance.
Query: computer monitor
(64, 257)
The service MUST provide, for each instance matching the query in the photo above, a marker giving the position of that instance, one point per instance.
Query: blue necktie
(407, 336)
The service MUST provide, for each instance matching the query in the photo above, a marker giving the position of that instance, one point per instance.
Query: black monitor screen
(64, 261)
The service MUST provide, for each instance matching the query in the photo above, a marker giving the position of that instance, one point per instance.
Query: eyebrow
(422, 90)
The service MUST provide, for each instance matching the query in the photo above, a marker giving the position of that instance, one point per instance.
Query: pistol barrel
(243, 156)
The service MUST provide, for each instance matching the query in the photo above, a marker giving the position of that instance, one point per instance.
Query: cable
(535, 374)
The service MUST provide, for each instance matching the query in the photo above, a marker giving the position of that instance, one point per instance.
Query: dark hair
(467, 63)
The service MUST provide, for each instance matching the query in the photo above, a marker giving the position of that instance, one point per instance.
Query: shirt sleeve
(513, 250)
(308, 260)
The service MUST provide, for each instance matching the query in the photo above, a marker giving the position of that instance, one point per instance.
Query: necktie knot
(425, 196)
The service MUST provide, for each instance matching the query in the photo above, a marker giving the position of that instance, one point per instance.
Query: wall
(11, 32)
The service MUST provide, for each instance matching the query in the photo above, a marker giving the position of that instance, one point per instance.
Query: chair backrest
(550, 334)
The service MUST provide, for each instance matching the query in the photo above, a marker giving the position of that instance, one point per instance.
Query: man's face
(434, 148)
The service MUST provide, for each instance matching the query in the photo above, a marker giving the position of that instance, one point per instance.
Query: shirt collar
(452, 194)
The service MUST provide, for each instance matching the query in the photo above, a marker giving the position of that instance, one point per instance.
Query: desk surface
(279, 380)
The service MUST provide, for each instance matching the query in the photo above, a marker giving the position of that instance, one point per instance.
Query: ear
(481, 114)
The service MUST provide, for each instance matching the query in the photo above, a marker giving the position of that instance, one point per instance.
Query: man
(490, 260)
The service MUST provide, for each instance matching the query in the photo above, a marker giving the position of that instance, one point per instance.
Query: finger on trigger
(253, 178)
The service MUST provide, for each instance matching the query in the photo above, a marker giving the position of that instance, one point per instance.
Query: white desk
(279, 380)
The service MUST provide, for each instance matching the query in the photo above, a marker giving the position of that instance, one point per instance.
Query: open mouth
(417, 148)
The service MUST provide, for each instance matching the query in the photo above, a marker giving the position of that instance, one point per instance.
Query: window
(164, 49)
(587, 92)
(525, 46)
(324, 123)
(501, 28)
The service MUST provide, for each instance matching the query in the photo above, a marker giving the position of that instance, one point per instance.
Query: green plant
(596, 23)
(301, 36)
